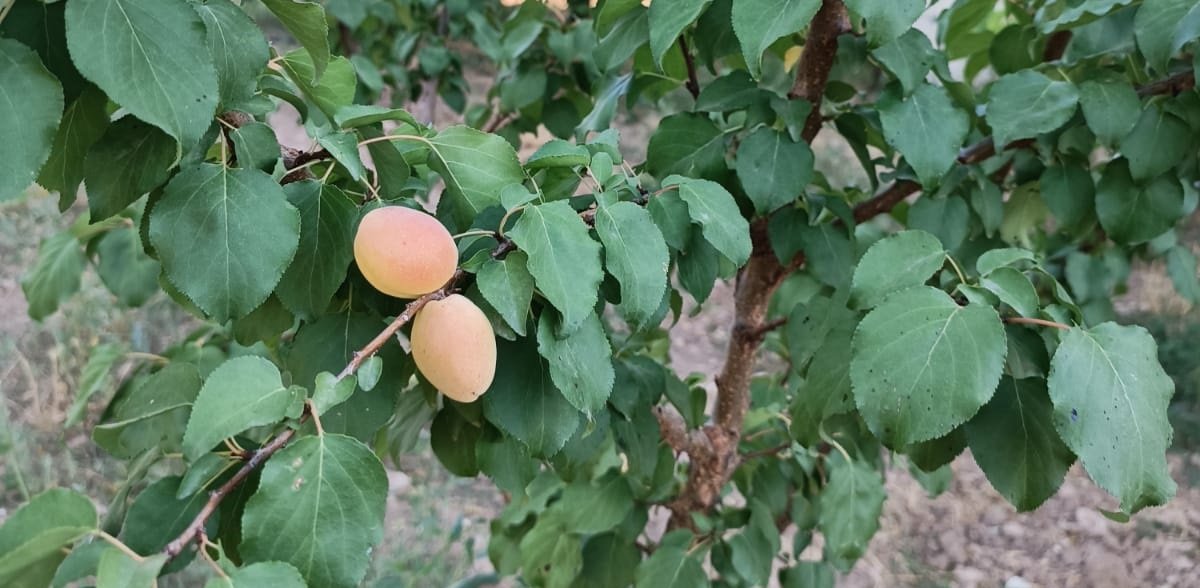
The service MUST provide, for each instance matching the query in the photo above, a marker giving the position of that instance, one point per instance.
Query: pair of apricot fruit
(407, 253)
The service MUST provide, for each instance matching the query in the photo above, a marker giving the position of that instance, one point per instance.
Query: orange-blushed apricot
(403, 252)
(454, 347)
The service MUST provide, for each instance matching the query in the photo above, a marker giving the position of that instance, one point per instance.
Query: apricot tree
(953, 293)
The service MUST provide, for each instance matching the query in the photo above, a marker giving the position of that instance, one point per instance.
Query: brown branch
(766, 452)
(769, 326)
(693, 82)
(499, 121)
(1173, 85)
(1056, 45)
(195, 529)
(756, 282)
(820, 50)
(1020, 320)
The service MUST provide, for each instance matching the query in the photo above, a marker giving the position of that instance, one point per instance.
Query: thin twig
(766, 452)
(193, 530)
(383, 337)
(118, 544)
(769, 326)
(693, 82)
(1020, 320)
(259, 457)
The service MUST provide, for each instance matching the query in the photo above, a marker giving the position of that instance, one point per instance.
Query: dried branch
(693, 82)
(1020, 320)
(195, 530)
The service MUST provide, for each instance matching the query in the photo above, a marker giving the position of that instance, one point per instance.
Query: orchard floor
(968, 536)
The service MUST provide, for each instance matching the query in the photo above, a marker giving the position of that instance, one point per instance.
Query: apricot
(403, 252)
(454, 347)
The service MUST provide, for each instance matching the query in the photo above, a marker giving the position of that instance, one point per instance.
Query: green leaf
(334, 90)
(130, 159)
(1014, 289)
(41, 26)
(1155, 25)
(753, 551)
(306, 22)
(117, 570)
(635, 253)
(667, 20)
(830, 254)
(758, 24)
(239, 50)
(255, 146)
(1014, 442)
(157, 516)
(1026, 104)
(242, 393)
(93, 379)
(671, 566)
(927, 128)
(32, 100)
(453, 439)
(909, 57)
(1110, 400)
(82, 125)
(629, 33)
(319, 506)
(713, 208)
(154, 414)
(826, 389)
(55, 275)
(524, 403)
(327, 345)
(589, 508)
(905, 259)
(549, 555)
(924, 365)
(80, 563)
(849, 509)
(1181, 266)
(946, 218)
(670, 213)
(558, 153)
(393, 171)
(40, 528)
(1158, 142)
(807, 574)
(475, 166)
(508, 286)
(609, 561)
(687, 144)
(276, 574)
(732, 91)
(887, 19)
(329, 391)
(1110, 107)
(580, 363)
(1065, 15)
(810, 323)
(773, 169)
(1133, 214)
(151, 58)
(1070, 194)
(369, 373)
(563, 259)
(359, 115)
(610, 94)
(225, 237)
(127, 272)
(997, 258)
(327, 220)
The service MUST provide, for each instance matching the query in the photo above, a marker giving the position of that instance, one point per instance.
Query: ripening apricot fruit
(403, 252)
(454, 347)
